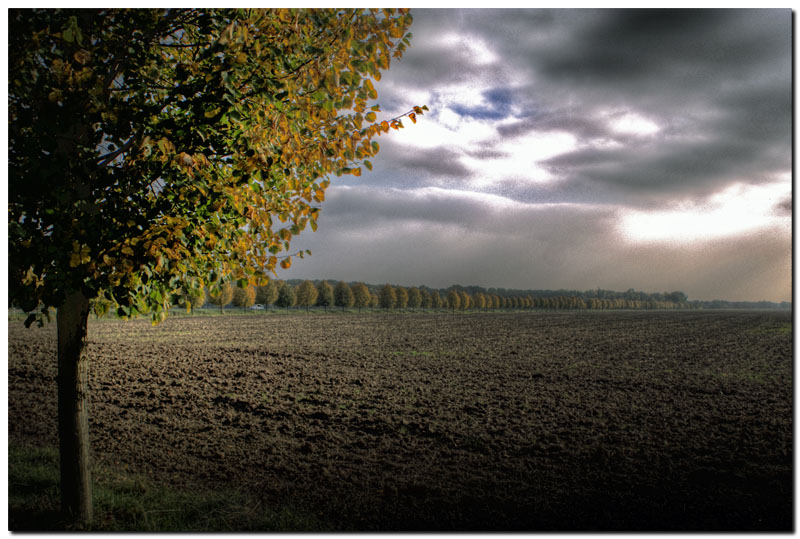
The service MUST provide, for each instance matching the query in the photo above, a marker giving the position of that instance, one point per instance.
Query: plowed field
(554, 421)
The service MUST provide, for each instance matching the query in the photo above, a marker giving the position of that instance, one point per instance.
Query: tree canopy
(361, 296)
(221, 296)
(286, 295)
(324, 295)
(343, 295)
(306, 294)
(155, 149)
(401, 295)
(387, 297)
(267, 294)
(244, 297)
(414, 297)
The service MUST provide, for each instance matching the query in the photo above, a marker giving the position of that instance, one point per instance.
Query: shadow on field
(128, 502)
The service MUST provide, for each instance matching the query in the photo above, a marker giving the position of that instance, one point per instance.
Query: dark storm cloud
(674, 169)
(627, 51)
(623, 47)
(717, 83)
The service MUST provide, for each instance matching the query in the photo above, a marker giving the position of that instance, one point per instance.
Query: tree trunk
(73, 408)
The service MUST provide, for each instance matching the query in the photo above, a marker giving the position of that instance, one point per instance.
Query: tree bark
(73, 408)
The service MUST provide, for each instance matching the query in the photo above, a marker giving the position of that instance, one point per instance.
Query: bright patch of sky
(737, 210)
(631, 123)
(477, 49)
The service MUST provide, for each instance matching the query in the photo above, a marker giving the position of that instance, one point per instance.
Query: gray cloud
(408, 239)
(716, 83)
(441, 161)
(784, 207)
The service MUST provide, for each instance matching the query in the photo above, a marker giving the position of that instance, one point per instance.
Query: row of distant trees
(323, 294)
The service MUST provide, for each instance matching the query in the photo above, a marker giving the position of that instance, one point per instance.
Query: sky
(577, 149)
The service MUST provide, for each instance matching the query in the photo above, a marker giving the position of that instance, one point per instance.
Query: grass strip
(127, 502)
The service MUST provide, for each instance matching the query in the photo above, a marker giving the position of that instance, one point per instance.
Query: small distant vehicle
(258, 307)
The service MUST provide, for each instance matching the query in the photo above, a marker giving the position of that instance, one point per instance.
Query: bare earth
(641, 421)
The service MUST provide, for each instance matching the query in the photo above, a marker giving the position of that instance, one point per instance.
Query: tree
(453, 299)
(153, 148)
(402, 297)
(387, 296)
(436, 299)
(244, 297)
(373, 299)
(286, 296)
(267, 294)
(480, 300)
(414, 298)
(465, 301)
(222, 296)
(342, 295)
(677, 297)
(324, 295)
(424, 299)
(191, 298)
(306, 294)
(361, 297)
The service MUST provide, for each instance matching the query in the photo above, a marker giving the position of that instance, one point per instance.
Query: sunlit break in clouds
(736, 211)
(609, 133)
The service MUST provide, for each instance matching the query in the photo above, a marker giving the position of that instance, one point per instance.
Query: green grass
(781, 328)
(125, 502)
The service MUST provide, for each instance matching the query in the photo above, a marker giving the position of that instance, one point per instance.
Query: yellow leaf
(356, 172)
(286, 263)
(82, 56)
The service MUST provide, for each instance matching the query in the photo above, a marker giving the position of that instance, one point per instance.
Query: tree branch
(109, 157)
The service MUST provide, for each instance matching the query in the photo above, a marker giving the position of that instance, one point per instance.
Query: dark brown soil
(642, 421)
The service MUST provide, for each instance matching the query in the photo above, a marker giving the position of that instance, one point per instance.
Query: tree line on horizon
(307, 294)
(322, 294)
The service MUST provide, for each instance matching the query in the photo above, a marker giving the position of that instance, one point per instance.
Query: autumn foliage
(151, 148)
(244, 297)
